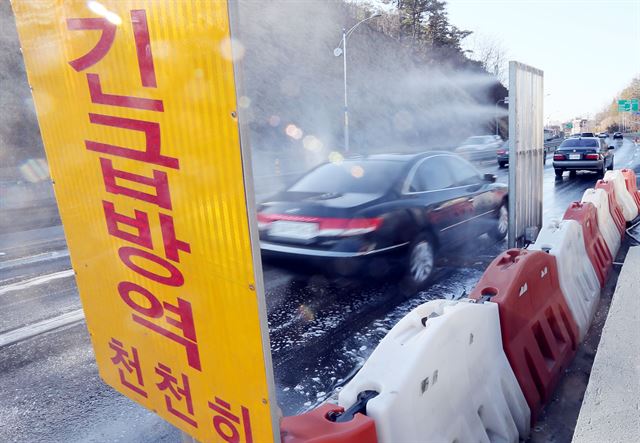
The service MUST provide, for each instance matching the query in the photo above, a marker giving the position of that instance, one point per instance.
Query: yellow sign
(137, 108)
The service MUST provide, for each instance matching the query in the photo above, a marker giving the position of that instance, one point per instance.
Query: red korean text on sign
(170, 319)
(227, 425)
(177, 392)
(128, 364)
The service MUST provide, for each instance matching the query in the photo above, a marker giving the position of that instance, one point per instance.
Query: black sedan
(366, 214)
(583, 153)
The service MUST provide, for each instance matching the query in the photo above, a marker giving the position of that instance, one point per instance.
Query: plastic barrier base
(442, 376)
(539, 334)
(614, 207)
(608, 228)
(586, 215)
(578, 280)
(316, 427)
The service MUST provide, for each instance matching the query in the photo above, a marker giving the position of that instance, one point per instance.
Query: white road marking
(41, 327)
(35, 281)
(46, 256)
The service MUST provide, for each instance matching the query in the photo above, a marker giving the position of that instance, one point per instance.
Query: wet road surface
(321, 330)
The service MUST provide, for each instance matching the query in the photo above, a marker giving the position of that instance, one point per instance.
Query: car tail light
(343, 227)
(592, 157)
(327, 227)
(559, 157)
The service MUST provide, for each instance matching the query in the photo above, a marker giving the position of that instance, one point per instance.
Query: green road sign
(624, 105)
(628, 105)
(569, 126)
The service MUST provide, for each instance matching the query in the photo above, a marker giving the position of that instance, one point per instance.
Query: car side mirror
(489, 178)
(611, 147)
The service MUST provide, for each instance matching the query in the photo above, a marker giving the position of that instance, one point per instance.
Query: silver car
(480, 147)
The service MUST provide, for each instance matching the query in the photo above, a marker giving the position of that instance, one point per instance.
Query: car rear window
(580, 143)
(367, 176)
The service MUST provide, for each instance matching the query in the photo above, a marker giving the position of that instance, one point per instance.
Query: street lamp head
(337, 52)
(377, 14)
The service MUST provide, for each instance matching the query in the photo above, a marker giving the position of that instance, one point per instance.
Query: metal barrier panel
(442, 376)
(526, 152)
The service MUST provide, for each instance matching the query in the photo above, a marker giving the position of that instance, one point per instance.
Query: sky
(589, 50)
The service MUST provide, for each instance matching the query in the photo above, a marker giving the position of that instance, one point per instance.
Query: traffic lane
(559, 193)
(50, 391)
(51, 299)
(37, 289)
(25, 243)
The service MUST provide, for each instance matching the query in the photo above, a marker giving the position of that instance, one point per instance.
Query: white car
(480, 147)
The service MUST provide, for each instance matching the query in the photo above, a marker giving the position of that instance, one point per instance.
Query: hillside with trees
(609, 119)
(411, 86)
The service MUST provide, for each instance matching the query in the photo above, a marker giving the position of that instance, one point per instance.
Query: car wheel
(499, 231)
(602, 171)
(610, 168)
(501, 164)
(559, 173)
(421, 261)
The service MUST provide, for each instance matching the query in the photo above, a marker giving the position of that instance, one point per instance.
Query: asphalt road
(321, 330)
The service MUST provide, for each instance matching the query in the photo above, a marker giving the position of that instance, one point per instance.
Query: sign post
(136, 102)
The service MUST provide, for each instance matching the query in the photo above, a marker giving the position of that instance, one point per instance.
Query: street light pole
(337, 52)
(346, 96)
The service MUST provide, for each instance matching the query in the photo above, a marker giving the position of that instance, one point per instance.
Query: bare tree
(490, 52)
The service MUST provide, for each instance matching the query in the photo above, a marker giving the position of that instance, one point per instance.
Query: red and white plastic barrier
(322, 426)
(442, 375)
(539, 334)
(607, 226)
(578, 279)
(614, 207)
(632, 185)
(625, 199)
(597, 250)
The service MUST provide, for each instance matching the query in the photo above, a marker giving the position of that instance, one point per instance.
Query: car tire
(602, 171)
(420, 261)
(499, 231)
(501, 164)
(559, 173)
(610, 167)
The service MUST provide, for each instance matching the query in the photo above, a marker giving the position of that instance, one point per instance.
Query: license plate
(574, 156)
(294, 230)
